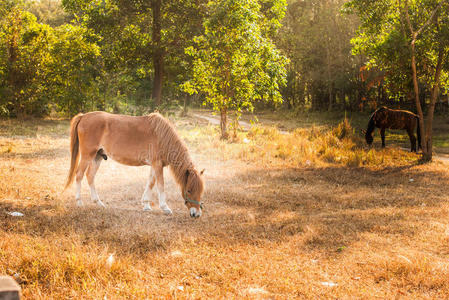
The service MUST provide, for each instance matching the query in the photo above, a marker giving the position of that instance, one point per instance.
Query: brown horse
(133, 141)
(385, 117)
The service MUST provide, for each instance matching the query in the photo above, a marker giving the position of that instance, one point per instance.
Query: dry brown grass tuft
(285, 218)
(318, 146)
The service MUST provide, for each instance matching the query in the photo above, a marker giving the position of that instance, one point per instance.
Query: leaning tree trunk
(224, 123)
(158, 54)
(329, 79)
(433, 99)
(426, 135)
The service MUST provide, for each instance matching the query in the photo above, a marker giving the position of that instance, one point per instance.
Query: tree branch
(429, 20)
(415, 34)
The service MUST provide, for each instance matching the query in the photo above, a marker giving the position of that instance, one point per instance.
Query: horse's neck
(371, 126)
(179, 164)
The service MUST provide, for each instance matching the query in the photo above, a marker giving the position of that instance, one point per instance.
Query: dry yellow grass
(279, 223)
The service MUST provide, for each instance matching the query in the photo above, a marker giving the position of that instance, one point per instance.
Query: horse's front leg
(159, 172)
(148, 187)
(382, 136)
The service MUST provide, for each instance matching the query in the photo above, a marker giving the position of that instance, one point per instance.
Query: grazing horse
(133, 141)
(385, 117)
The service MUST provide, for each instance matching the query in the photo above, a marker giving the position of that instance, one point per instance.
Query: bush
(302, 146)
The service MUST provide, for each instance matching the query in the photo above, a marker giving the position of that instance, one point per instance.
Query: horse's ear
(202, 171)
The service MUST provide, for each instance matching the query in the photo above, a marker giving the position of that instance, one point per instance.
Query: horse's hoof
(147, 207)
(167, 210)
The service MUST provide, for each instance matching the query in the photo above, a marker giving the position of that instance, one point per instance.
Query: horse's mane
(173, 151)
(378, 110)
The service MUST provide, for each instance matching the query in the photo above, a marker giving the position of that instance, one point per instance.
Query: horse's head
(192, 192)
(368, 137)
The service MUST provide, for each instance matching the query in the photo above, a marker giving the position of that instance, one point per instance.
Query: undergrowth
(303, 146)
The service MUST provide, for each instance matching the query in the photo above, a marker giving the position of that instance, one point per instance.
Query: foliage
(384, 38)
(129, 47)
(24, 53)
(73, 69)
(235, 61)
(42, 67)
(232, 54)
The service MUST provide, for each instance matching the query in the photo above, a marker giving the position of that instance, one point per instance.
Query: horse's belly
(128, 158)
(127, 161)
(397, 126)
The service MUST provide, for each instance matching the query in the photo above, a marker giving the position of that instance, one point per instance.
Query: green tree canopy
(42, 67)
(24, 53)
(235, 63)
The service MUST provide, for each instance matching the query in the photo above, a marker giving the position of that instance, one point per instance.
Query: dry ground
(270, 229)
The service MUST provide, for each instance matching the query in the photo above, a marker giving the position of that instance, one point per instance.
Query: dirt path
(215, 121)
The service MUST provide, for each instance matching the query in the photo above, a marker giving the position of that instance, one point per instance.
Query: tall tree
(235, 61)
(142, 38)
(415, 30)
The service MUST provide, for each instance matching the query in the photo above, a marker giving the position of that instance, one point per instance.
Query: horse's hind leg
(148, 187)
(84, 163)
(90, 174)
(159, 172)
(382, 136)
(412, 140)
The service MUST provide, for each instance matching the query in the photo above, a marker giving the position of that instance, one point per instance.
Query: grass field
(290, 121)
(282, 220)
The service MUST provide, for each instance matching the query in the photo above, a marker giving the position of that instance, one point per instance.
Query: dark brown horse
(384, 118)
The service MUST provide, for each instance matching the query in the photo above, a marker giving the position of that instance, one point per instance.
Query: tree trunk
(434, 95)
(158, 54)
(184, 108)
(427, 153)
(223, 123)
(329, 79)
(426, 156)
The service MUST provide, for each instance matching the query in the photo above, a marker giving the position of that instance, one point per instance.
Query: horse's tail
(418, 133)
(74, 148)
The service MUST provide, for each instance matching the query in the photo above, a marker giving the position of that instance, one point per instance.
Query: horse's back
(106, 121)
(403, 119)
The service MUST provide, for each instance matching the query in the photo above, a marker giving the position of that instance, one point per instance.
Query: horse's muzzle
(195, 213)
